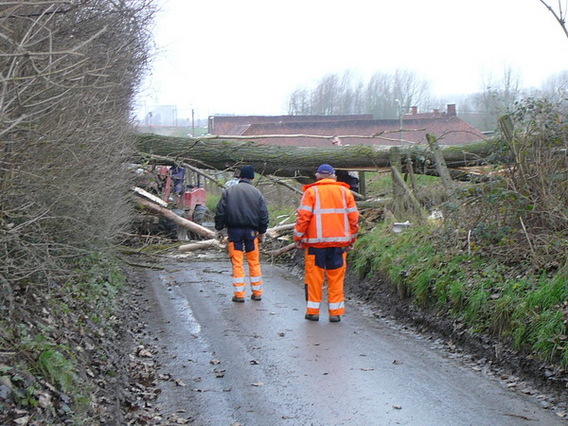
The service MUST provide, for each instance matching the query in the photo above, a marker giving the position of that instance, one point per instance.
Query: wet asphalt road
(262, 363)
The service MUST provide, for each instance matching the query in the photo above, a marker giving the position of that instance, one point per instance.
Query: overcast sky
(247, 56)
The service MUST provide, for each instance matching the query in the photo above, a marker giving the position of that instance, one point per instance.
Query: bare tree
(555, 88)
(299, 103)
(499, 96)
(345, 94)
(384, 89)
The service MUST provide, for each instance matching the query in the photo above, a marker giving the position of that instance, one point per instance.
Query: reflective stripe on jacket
(327, 216)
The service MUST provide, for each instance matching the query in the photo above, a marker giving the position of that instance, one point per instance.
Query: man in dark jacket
(242, 210)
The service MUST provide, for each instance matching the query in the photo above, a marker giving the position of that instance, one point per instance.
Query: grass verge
(525, 309)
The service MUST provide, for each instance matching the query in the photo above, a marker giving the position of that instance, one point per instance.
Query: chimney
(414, 110)
(452, 109)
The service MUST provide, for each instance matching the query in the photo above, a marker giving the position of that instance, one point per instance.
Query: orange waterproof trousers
(315, 272)
(237, 253)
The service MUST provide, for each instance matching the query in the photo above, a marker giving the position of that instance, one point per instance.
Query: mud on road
(215, 362)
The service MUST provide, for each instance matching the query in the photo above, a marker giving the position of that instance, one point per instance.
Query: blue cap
(325, 169)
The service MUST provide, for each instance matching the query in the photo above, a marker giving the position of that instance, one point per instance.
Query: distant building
(446, 126)
(163, 115)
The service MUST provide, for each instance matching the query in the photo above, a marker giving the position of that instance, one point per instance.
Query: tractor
(171, 184)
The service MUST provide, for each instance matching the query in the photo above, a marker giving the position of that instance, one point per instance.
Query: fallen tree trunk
(297, 161)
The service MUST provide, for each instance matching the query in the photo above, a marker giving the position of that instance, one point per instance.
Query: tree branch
(557, 16)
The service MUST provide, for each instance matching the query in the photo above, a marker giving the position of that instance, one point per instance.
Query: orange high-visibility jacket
(327, 216)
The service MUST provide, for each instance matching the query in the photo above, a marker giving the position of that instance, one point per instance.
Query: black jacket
(242, 206)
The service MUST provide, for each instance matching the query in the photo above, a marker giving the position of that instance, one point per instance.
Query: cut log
(374, 204)
(201, 245)
(151, 197)
(296, 161)
(178, 220)
(282, 250)
(273, 232)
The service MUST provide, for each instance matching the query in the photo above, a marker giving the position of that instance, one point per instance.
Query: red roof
(447, 128)
(232, 124)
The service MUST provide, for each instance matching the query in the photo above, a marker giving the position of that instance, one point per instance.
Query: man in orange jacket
(326, 228)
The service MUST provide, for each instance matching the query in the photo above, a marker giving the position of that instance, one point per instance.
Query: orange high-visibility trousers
(239, 277)
(314, 280)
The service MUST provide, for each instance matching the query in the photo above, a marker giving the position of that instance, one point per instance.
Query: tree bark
(441, 166)
(397, 187)
(296, 161)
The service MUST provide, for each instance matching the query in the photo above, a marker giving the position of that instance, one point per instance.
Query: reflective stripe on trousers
(314, 279)
(239, 276)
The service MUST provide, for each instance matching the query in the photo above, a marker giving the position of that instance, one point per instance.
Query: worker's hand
(299, 245)
(219, 236)
(260, 238)
(349, 248)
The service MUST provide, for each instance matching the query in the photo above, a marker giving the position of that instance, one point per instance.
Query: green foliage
(57, 369)
(498, 260)
(455, 293)
(477, 307)
(380, 184)
(26, 395)
(96, 285)
(212, 200)
(277, 214)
